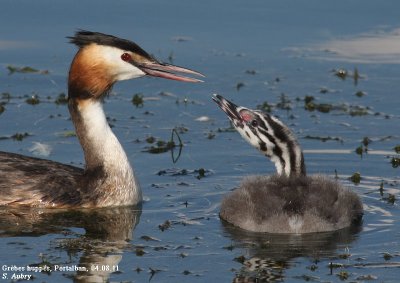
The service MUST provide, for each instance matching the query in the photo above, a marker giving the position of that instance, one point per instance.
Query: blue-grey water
(251, 52)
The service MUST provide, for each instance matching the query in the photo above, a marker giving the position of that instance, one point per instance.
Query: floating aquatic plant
(67, 134)
(16, 136)
(324, 139)
(137, 100)
(239, 86)
(14, 69)
(5, 96)
(285, 103)
(149, 238)
(344, 74)
(387, 256)
(381, 188)
(356, 76)
(184, 172)
(150, 139)
(202, 173)
(33, 100)
(391, 198)
(265, 106)
(166, 225)
(324, 90)
(251, 72)
(366, 141)
(161, 146)
(341, 73)
(354, 110)
(210, 135)
(61, 99)
(395, 160)
(360, 93)
(171, 57)
(139, 251)
(343, 275)
(356, 178)
(360, 150)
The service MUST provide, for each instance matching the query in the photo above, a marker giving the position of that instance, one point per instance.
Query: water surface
(251, 52)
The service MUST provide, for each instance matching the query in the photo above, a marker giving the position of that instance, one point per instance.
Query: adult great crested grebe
(107, 179)
(289, 202)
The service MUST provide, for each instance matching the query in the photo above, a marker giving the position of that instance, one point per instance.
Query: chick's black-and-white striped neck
(268, 134)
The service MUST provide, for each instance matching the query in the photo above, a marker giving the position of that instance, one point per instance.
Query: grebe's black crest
(84, 37)
(289, 202)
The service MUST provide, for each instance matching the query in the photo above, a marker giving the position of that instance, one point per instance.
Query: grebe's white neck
(107, 168)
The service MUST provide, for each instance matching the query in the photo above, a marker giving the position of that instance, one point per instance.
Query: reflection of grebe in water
(108, 179)
(289, 202)
(108, 233)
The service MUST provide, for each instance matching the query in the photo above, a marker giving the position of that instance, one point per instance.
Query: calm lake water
(251, 52)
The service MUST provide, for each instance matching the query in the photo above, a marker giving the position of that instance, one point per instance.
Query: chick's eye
(254, 123)
(126, 57)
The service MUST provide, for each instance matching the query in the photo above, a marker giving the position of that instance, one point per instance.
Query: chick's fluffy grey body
(279, 204)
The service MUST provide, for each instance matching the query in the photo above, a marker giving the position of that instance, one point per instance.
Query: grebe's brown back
(107, 179)
(289, 202)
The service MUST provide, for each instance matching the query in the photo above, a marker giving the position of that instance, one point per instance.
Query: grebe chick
(289, 202)
(107, 179)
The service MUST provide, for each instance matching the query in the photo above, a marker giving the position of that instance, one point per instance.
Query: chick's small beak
(168, 71)
(229, 108)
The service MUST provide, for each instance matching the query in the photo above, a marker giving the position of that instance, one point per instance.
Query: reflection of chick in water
(267, 256)
(108, 232)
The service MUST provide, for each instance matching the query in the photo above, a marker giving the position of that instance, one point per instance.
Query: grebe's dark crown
(84, 37)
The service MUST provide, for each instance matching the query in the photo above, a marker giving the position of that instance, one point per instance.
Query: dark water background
(280, 51)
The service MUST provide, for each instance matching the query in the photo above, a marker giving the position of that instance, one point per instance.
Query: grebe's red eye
(126, 57)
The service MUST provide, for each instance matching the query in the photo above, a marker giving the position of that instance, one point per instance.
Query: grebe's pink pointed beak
(168, 71)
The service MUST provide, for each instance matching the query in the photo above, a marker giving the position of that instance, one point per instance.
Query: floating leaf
(266, 107)
(356, 178)
(341, 73)
(61, 99)
(137, 100)
(166, 225)
(324, 139)
(251, 72)
(150, 139)
(343, 275)
(239, 86)
(360, 93)
(33, 100)
(387, 256)
(19, 136)
(140, 251)
(395, 162)
(148, 238)
(360, 150)
(26, 69)
(202, 173)
(366, 141)
(391, 199)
